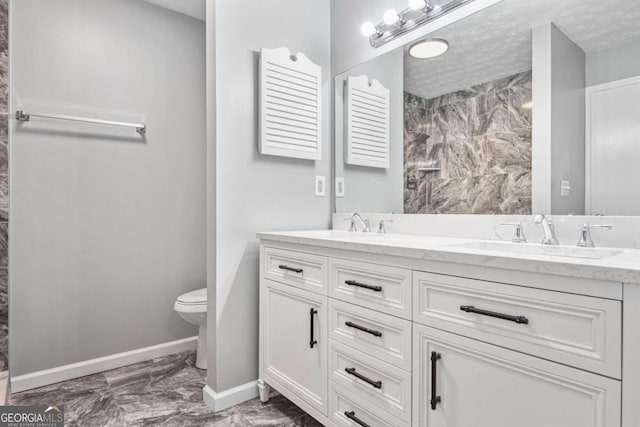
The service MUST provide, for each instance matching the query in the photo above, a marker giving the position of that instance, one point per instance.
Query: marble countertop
(616, 264)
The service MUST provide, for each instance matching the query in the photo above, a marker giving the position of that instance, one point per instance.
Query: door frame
(589, 92)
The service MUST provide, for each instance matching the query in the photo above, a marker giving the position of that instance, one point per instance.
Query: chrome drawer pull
(363, 329)
(352, 416)
(286, 267)
(352, 371)
(518, 319)
(362, 285)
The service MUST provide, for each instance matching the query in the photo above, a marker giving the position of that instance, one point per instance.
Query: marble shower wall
(469, 152)
(4, 183)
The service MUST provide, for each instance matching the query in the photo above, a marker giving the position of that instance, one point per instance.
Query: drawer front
(383, 288)
(385, 386)
(579, 331)
(345, 409)
(298, 269)
(382, 336)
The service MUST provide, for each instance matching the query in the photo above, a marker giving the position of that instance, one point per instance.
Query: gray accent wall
(256, 192)
(108, 228)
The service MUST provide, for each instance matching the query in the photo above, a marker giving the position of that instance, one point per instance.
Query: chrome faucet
(366, 228)
(585, 240)
(549, 229)
(519, 235)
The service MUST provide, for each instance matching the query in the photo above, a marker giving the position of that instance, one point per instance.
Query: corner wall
(255, 192)
(558, 122)
(107, 227)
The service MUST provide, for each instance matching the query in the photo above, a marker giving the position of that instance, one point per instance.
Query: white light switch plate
(320, 187)
(340, 187)
(565, 188)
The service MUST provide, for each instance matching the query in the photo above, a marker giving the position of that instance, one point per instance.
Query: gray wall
(106, 228)
(616, 63)
(558, 151)
(373, 189)
(256, 192)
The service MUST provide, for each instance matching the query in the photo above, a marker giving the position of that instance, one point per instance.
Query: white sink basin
(535, 249)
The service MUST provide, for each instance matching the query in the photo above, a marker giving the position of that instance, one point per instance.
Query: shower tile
(4, 320)
(4, 245)
(4, 55)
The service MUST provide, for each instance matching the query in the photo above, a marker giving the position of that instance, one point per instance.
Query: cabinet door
(294, 342)
(460, 382)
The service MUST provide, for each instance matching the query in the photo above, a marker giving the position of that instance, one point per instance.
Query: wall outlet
(565, 188)
(320, 187)
(340, 187)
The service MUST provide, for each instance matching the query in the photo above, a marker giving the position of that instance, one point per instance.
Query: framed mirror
(525, 107)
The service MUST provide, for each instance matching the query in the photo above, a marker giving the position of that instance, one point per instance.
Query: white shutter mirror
(367, 116)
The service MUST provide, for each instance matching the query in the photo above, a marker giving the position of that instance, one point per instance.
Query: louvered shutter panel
(367, 123)
(289, 105)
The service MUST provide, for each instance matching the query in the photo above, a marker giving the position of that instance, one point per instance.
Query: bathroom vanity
(361, 329)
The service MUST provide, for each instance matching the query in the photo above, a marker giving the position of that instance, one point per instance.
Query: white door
(470, 383)
(294, 327)
(613, 148)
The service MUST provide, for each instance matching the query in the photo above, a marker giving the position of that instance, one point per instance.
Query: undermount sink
(536, 249)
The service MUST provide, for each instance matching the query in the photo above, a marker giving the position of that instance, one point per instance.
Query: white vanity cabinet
(460, 382)
(401, 341)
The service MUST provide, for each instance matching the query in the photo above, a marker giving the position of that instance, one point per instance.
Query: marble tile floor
(166, 391)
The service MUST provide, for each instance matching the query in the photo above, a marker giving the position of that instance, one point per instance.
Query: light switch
(340, 187)
(565, 188)
(319, 186)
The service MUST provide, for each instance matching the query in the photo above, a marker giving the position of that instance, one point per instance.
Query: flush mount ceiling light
(430, 48)
(394, 24)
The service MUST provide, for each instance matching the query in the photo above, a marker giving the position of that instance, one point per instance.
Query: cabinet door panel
(482, 385)
(291, 320)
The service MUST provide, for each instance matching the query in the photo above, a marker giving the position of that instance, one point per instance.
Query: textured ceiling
(496, 42)
(193, 8)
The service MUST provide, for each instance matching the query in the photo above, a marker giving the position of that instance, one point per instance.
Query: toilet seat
(197, 297)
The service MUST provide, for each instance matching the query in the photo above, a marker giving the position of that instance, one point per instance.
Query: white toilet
(192, 307)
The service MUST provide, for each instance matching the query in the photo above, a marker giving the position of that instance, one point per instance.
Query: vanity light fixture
(430, 48)
(391, 17)
(394, 24)
(368, 29)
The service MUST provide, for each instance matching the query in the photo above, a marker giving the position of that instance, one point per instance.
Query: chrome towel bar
(23, 116)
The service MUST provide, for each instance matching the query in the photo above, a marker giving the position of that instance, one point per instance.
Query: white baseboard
(93, 366)
(228, 398)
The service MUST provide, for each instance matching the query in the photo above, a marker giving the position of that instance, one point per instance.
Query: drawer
(298, 269)
(575, 330)
(382, 336)
(386, 387)
(345, 409)
(383, 288)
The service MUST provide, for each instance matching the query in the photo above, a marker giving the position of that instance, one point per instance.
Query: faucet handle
(382, 229)
(519, 236)
(585, 240)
